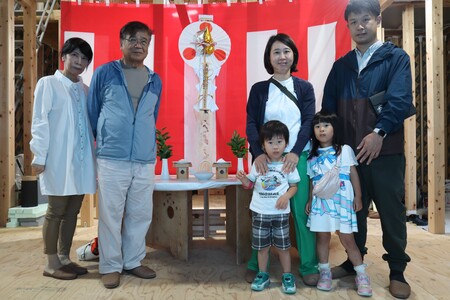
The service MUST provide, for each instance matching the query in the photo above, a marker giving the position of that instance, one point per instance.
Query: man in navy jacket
(378, 139)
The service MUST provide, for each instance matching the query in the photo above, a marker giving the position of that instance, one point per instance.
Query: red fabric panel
(237, 19)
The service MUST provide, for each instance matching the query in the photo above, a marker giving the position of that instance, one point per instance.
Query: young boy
(270, 206)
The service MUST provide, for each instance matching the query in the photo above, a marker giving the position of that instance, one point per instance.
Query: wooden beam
(410, 123)
(29, 79)
(416, 3)
(7, 137)
(435, 115)
(385, 4)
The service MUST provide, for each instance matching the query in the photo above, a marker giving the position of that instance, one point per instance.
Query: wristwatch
(380, 132)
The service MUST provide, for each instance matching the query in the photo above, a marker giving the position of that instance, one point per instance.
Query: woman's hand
(38, 168)
(290, 162)
(261, 164)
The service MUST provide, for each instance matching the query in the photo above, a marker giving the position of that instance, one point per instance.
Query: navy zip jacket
(256, 109)
(346, 93)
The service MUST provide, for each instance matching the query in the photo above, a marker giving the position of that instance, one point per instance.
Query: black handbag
(378, 101)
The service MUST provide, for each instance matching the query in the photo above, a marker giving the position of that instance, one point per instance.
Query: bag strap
(284, 90)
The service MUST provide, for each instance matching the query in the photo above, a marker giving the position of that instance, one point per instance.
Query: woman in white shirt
(62, 144)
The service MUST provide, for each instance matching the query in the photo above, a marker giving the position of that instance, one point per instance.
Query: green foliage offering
(238, 145)
(164, 150)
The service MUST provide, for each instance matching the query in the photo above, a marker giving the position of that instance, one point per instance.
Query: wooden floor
(211, 272)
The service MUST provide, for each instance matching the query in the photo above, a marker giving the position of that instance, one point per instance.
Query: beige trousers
(60, 223)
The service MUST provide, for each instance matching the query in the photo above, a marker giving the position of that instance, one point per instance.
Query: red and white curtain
(317, 27)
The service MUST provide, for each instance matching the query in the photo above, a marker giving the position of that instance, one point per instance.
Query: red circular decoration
(220, 54)
(204, 25)
(189, 53)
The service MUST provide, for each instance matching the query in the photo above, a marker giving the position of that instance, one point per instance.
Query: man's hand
(290, 162)
(369, 147)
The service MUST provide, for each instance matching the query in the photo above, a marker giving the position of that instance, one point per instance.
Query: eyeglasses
(78, 56)
(134, 41)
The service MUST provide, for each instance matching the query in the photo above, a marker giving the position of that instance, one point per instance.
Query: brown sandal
(74, 268)
(60, 274)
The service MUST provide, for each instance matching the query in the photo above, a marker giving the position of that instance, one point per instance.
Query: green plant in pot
(164, 150)
(238, 146)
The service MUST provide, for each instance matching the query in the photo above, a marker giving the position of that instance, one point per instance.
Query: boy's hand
(240, 175)
(282, 202)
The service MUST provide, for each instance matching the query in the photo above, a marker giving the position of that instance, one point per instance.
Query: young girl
(338, 213)
(270, 206)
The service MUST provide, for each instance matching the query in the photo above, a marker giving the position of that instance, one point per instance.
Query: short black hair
(76, 43)
(273, 128)
(131, 28)
(327, 117)
(284, 39)
(359, 6)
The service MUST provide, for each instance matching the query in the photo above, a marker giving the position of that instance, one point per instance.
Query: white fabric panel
(256, 44)
(321, 56)
(149, 60)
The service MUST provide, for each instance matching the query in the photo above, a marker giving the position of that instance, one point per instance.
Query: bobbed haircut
(131, 28)
(272, 129)
(326, 117)
(359, 6)
(76, 43)
(284, 39)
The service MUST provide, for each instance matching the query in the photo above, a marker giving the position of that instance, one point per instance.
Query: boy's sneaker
(325, 280)
(363, 285)
(261, 281)
(288, 283)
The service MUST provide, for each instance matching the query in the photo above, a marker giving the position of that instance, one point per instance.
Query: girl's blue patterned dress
(337, 213)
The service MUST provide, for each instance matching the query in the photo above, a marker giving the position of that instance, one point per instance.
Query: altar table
(172, 215)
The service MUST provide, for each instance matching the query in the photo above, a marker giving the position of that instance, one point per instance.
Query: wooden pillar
(435, 115)
(410, 123)
(7, 139)
(29, 77)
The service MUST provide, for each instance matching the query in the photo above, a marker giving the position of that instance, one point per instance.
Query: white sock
(324, 267)
(361, 269)
(64, 259)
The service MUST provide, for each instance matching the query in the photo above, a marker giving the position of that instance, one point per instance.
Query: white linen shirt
(62, 139)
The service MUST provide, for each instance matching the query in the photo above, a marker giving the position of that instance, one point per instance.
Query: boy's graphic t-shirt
(269, 187)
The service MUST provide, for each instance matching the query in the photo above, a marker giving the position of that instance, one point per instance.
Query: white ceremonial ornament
(204, 46)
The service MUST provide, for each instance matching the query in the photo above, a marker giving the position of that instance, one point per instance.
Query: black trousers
(383, 183)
